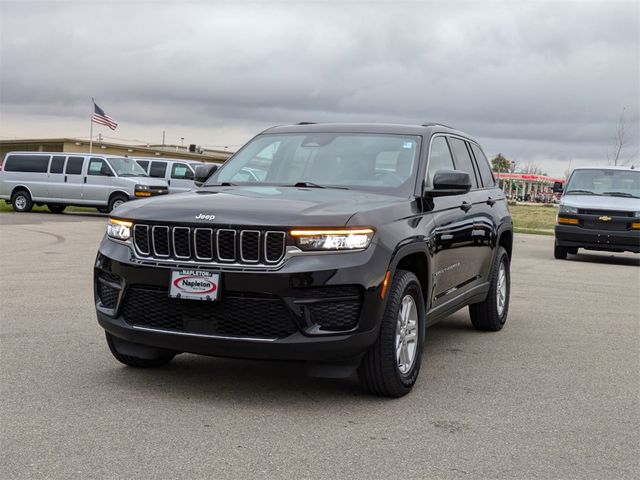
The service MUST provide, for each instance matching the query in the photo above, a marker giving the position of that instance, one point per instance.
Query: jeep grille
(209, 245)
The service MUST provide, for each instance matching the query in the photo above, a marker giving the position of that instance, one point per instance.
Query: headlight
(332, 238)
(142, 191)
(570, 210)
(636, 214)
(119, 229)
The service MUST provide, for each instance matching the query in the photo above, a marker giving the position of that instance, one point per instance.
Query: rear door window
(158, 169)
(27, 163)
(483, 167)
(463, 159)
(74, 166)
(57, 164)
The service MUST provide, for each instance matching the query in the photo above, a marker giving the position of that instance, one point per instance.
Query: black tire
(56, 207)
(486, 315)
(116, 201)
(137, 362)
(21, 201)
(560, 252)
(379, 372)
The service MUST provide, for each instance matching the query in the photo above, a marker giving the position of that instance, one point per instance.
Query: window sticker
(407, 145)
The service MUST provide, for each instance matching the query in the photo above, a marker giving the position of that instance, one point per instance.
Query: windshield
(126, 167)
(325, 160)
(595, 181)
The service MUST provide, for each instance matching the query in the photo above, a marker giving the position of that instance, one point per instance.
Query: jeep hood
(259, 205)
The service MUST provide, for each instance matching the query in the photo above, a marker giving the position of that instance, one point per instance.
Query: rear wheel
(137, 362)
(491, 314)
(21, 201)
(560, 252)
(56, 207)
(390, 368)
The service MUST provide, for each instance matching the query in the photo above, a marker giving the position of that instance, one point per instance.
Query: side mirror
(557, 187)
(203, 172)
(449, 182)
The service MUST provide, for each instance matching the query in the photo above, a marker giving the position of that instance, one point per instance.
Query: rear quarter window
(27, 163)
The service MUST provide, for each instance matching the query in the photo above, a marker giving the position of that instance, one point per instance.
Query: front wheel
(390, 368)
(491, 314)
(560, 252)
(116, 201)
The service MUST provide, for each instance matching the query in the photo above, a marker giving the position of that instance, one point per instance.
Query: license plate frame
(200, 285)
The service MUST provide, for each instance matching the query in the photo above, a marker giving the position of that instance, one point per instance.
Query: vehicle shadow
(250, 383)
(608, 258)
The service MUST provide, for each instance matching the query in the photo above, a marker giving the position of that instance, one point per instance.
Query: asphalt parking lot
(553, 395)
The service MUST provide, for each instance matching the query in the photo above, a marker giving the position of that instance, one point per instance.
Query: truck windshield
(126, 167)
(375, 162)
(605, 181)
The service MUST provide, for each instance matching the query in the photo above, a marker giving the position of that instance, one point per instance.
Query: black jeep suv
(332, 244)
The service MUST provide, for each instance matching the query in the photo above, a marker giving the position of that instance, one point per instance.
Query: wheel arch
(118, 193)
(505, 240)
(18, 188)
(414, 258)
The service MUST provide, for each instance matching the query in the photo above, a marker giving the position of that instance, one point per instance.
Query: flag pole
(93, 108)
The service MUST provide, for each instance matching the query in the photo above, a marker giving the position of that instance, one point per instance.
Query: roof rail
(436, 124)
(306, 123)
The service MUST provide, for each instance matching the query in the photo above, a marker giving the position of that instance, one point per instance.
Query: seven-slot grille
(217, 245)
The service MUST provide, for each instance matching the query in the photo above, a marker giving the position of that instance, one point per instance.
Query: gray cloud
(539, 81)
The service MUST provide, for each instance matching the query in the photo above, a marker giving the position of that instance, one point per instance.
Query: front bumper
(249, 300)
(595, 239)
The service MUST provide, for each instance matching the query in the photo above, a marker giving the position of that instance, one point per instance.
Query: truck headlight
(142, 191)
(119, 229)
(569, 210)
(332, 238)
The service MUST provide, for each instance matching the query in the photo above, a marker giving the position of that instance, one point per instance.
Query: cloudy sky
(540, 81)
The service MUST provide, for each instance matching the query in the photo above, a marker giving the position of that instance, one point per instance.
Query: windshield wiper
(588, 192)
(308, 184)
(315, 185)
(223, 184)
(620, 194)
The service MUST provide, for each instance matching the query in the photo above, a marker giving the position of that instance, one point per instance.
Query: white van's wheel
(116, 201)
(21, 201)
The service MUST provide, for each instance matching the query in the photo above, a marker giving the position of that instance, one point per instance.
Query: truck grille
(209, 245)
(612, 213)
(236, 315)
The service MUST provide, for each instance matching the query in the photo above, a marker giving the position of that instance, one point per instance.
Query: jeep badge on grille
(202, 216)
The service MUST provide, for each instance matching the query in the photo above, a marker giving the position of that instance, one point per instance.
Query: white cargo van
(60, 179)
(178, 173)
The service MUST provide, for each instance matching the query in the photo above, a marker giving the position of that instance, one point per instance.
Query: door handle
(491, 201)
(466, 206)
(65, 179)
(85, 179)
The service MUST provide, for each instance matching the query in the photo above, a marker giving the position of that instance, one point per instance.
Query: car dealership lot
(553, 395)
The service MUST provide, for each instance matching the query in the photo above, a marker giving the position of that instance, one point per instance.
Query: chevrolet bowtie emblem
(604, 218)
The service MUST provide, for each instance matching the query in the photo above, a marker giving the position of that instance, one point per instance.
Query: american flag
(102, 118)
